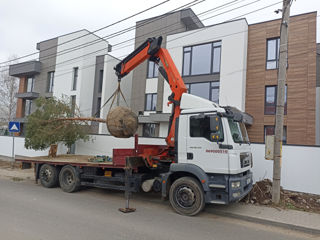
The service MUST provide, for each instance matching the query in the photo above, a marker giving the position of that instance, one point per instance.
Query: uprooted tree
(55, 121)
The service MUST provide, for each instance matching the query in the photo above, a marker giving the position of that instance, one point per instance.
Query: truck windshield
(238, 131)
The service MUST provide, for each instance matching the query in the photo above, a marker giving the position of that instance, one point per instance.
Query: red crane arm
(151, 50)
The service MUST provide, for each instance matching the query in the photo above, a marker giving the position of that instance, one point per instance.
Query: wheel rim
(68, 178)
(185, 197)
(46, 175)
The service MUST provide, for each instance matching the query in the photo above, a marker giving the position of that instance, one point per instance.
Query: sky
(23, 23)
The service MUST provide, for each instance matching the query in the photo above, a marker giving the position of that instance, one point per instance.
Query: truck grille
(245, 159)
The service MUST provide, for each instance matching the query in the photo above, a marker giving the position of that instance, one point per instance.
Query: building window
(73, 105)
(273, 46)
(75, 78)
(271, 100)
(28, 108)
(30, 82)
(208, 90)
(269, 130)
(151, 102)
(149, 130)
(98, 107)
(50, 82)
(100, 81)
(201, 59)
(153, 70)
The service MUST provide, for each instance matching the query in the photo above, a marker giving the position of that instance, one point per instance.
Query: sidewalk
(292, 219)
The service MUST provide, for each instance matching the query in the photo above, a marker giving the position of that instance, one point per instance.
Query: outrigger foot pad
(127, 210)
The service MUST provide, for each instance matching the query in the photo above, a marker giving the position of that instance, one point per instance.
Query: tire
(186, 196)
(69, 179)
(48, 176)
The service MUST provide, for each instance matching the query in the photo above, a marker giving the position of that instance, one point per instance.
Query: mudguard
(185, 167)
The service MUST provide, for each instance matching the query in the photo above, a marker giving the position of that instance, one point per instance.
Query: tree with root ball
(54, 121)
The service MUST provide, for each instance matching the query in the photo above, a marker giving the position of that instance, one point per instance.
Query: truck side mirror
(214, 124)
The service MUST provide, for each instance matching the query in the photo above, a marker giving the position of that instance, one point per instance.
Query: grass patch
(17, 179)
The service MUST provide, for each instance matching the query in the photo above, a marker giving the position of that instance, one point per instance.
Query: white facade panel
(151, 85)
(234, 40)
(82, 56)
(109, 86)
(163, 129)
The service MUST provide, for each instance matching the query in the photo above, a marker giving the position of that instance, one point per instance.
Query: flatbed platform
(75, 160)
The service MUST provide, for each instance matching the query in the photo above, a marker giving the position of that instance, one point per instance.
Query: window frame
(98, 107)
(211, 72)
(50, 83)
(152, 97)
(149, 124)
(211, 87)
(28, 103)
(100, 83)
(275, 99)
(75, 76)
(277, 53)
(153, 71)
(73, 102)
(32, 84)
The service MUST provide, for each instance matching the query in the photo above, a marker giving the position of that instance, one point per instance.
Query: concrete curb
(263, 221)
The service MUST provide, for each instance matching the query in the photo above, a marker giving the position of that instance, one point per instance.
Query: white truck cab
(212, 143)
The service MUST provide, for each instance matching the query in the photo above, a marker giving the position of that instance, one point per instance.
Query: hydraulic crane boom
(151, 49)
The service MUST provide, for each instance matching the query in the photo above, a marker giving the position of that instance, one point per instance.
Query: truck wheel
(187, 196)
(69, 179)
(48, 176)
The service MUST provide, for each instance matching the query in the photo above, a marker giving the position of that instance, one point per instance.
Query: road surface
(29, 211)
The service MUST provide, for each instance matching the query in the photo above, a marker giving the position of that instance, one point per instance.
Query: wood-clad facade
(301, 79)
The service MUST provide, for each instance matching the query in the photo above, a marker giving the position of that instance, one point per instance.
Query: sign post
(13, 128)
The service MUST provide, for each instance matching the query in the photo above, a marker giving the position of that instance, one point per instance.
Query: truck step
(221, 186)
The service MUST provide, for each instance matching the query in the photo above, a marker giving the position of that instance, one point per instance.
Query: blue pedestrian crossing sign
(14, 126)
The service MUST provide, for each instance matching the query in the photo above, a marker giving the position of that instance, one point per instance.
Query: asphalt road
(29, 211)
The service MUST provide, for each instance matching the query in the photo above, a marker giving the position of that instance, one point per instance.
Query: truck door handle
(190, 156)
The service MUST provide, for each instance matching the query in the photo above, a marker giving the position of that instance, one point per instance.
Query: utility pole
(282, 75)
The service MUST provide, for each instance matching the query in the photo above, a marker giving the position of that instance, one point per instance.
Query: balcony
(27, 95)
(154, 118)
(25, 69)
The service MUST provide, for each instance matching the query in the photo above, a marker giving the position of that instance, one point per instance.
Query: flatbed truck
(206, 159)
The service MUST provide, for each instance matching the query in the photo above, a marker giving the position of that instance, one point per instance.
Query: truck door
(205, 135)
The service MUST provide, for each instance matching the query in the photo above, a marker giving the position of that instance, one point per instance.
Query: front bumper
(222, 192)
(236, 194)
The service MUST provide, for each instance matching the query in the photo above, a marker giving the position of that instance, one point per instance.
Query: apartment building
(235, 64)
(147, 84)
(261, 90)
(70, 65)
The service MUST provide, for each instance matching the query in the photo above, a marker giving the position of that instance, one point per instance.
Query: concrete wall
(300, 164)
(6, 148)
(300, 167)
(234, 38)
(85, 60)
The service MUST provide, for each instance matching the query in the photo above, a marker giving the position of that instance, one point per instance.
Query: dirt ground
(261, 195)
(14, 172)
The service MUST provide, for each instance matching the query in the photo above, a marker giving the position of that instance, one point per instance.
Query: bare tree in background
(8, 89)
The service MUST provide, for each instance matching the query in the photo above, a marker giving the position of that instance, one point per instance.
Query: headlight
(236, 194)
(235, 184)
